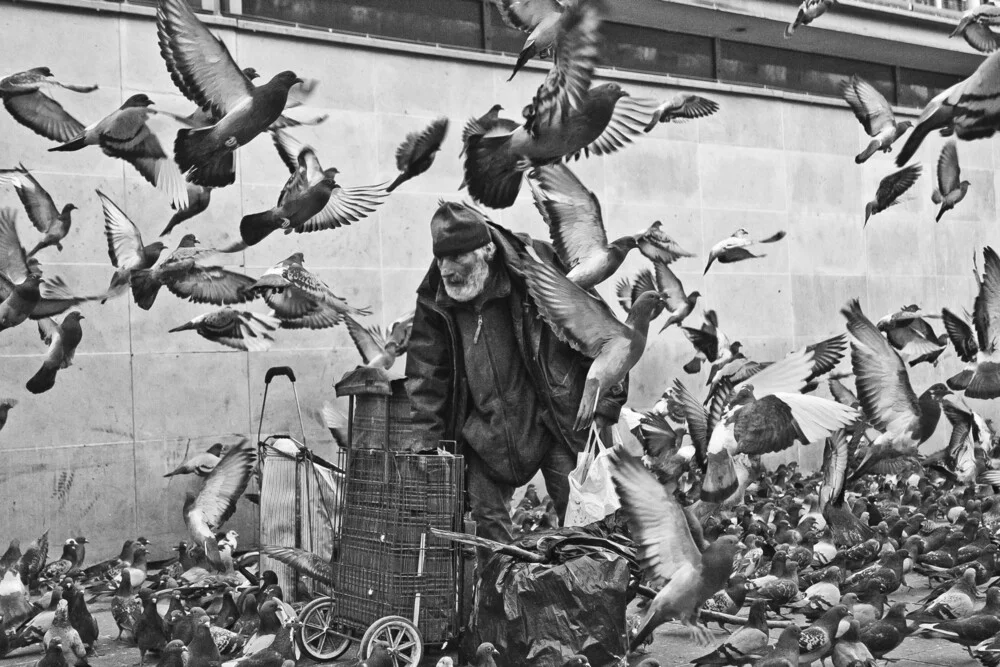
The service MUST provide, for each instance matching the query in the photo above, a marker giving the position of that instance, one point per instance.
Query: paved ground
(671, 646)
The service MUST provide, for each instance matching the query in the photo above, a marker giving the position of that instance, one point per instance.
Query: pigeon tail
(985, 383)
(402, 178)
(692, 366)
(960, 381)
(255, 227)
(940, 214)
(720, 478)
(38, 247)
(789, 30)
(527, 53)
(918, 135)
(588, 403)
(491, 171)
(74, 144)
(187, 326)
(866, 153)
(144, 288)
(43, 380)
(209, 164)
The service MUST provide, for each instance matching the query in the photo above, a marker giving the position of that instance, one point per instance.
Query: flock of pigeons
(709, 525)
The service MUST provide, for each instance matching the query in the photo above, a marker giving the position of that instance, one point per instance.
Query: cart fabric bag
(592, 494)
(541, 614)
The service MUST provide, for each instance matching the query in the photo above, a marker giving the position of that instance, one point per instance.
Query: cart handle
(277, 371)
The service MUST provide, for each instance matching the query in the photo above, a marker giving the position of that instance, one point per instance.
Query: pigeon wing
(400, 331)
(697, 420)
(787, 375)
(826, 355)
(211, 284)
(199, 63)
(124, 240)
(961, 336)
(895, 185)
(658, 247)
(948, 171)
(869, 106)
(981, 37)
(369, 342)
(669, 285)
(37, 202)
(525, 15)
(216, 501)
(13, 258)
(419, 145)
(883, 384)
(571, 211)
(302, 561)
(568, 82)
(628, 120)
(346, 205)
(43, 115)
(986, 308)
(657, 521)
(579, 319)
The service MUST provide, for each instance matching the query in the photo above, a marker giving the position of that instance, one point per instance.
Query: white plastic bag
(592, 494)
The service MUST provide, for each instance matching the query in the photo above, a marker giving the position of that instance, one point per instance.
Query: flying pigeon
(736, 248)
(202, 67)
(875, 114)
(41, 210)
(376, 349)
(23, 98)
(538, 18)
(809, 11)
(207, 511)
(670, 546)
(981, 379)
(62, 340)
(199, 464)
(969, 109)
(950, 188)
(656, 246)
(680, 108)
(908, 331)
(417, 152)
(240, 330)
(125, 247)
(891, 188)
(676, 300)
(975, 24)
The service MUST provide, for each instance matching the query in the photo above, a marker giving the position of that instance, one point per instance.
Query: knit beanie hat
(457, 228)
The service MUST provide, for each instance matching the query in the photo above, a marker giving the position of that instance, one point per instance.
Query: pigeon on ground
(968, 109)
(816, 642)
(809, 11)
(417, 152)
(62, 340)
(150, 634)
(238, 329)
(378, 350)
(81, 618)
(55, 570)
(70, 638)
(681, 108)
(981, 378)
(670, 546)
(736, 248)
(186, 278)
(975, 24)
(174, 654)
(125, 247)
(749, 640)
(850, 651)
(202, 67)
(970, 630)
(785, 652)
(587, 324)
(891, 188)
(199, 464)
(538, 18)
(53, 654)
(679, 303)
(23, 98)
(202, 651)
(875, 114)
(205, 512)
(950, 189)
(887, 634)
(41, 210)
(126, 134)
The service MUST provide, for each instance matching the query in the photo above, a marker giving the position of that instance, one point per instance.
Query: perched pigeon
(850, 651)
(538, 18)
(66, 634)
(809, 11)
(816, 642)
(587, 324)
(202, 67)
(682, 107)
(53, 655)
(240, 330)
(417, 152)
(749, 640)
(62, 340)
(668, 549)
(736, 248)
(891, 188)
(968, 109)
(23, 97)
(875, 114)
(42, 211)
(950, 189)
(785, 652)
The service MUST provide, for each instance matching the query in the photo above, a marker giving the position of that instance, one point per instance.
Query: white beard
(472, 286)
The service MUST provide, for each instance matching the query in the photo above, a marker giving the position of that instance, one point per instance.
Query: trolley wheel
(403, 638)
(319, 636)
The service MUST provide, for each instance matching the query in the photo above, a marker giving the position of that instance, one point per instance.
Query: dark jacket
(436, 381)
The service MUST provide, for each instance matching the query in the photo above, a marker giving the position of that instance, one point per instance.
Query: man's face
(464, 275)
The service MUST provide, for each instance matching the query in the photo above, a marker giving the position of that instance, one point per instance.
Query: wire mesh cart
(393, 580)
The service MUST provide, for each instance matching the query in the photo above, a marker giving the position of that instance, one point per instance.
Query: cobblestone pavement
(670, 647)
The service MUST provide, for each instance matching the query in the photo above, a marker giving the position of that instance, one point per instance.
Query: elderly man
(485, 370)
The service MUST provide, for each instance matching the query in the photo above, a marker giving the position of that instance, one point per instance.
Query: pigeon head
(577, 661)
(330, 175)
(486, 650)
(188, 241)
(82, 540)
(69, 207)
(74, 316)
(250, 73)
(155, 248)
(904, 126)
(286, 79)
(938, 391)
(139, 100)
(610, 91)
(294, 258)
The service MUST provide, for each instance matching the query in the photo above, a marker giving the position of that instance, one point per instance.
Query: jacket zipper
(512, 454)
